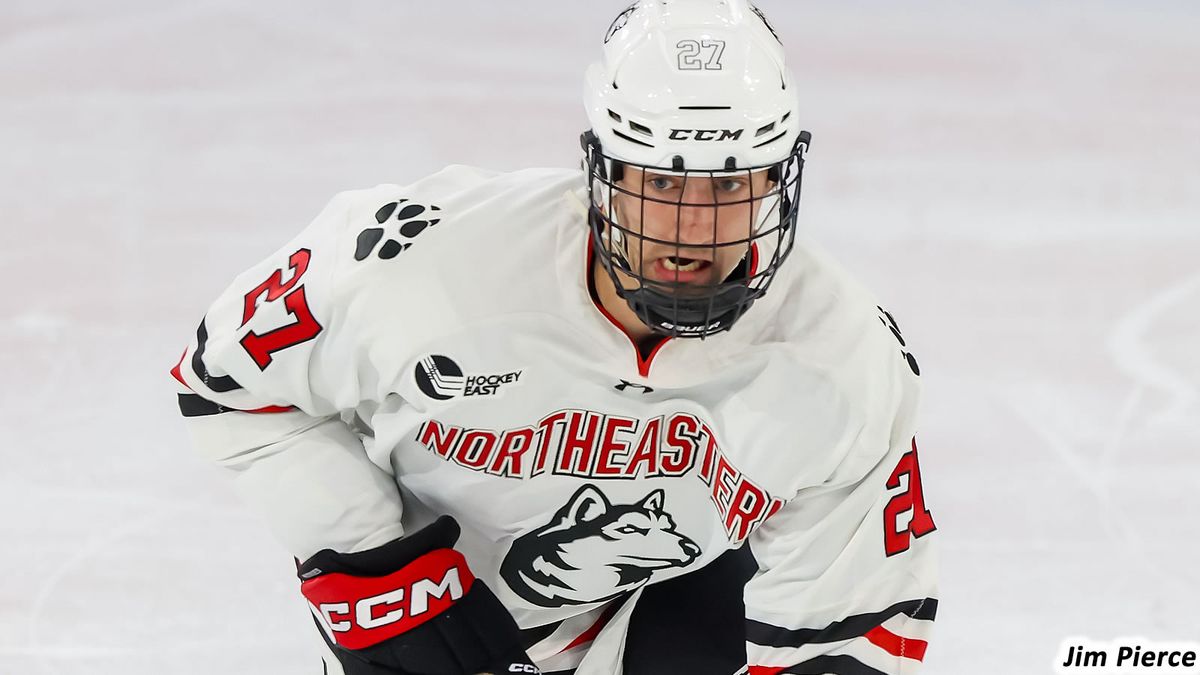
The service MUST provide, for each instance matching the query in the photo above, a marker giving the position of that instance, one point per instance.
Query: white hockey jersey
(435, 349)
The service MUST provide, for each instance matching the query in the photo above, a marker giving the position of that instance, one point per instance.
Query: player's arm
(263, 386)
(847, 578)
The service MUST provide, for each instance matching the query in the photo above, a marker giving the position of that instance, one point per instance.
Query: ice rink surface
(1018, 181)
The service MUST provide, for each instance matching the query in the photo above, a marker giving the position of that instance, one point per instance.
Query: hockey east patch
(441, 378)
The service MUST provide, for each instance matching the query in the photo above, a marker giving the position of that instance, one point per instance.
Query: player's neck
(618, 309)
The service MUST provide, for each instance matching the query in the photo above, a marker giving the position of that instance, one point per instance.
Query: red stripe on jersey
(591, 633)
(897, 645)
(177, 373)
(271, 409)
(364, 611)
(766, 670)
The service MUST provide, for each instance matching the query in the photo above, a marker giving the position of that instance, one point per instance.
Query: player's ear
(773, 177)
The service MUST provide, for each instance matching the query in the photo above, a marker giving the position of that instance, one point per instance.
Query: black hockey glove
(412, 607)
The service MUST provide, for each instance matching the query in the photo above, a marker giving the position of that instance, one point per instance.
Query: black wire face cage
(630, 219)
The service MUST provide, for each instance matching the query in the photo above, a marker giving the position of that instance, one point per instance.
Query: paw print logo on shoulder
(401, 219)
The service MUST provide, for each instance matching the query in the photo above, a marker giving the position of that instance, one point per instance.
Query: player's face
(694, 228)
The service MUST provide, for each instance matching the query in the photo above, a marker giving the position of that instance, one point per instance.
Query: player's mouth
(679, 269)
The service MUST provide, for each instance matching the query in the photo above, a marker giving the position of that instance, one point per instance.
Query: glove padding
(412, 607)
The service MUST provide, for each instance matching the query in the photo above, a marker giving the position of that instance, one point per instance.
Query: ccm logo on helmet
(388, 608)
(706, 134)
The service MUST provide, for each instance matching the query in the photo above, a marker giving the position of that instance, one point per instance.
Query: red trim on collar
(642, 363)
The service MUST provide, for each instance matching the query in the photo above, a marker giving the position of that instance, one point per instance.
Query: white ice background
(1019, 181)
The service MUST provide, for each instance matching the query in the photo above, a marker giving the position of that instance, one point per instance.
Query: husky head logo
(592, 550)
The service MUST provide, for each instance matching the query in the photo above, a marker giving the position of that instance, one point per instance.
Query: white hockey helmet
(696, 88)
(701, 80)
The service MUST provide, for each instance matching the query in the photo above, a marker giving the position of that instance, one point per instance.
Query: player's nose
(696, 225)
(697, 217)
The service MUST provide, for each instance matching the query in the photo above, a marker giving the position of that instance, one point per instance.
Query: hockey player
(576, 421)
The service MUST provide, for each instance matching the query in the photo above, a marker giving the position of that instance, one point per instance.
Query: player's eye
(730, 184)
(661, 183)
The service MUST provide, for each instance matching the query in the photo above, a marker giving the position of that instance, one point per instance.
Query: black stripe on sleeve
(532, 636)
(839, 664)
(217, 384)
(767, 635)
(191, 405)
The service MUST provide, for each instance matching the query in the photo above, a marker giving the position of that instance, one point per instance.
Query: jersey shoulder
(459, 205)
(462, 247)
(286, 330)
(847, 348)
(459, 216)
(832, 317)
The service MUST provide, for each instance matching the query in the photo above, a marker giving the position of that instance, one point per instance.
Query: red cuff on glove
(363, 611)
